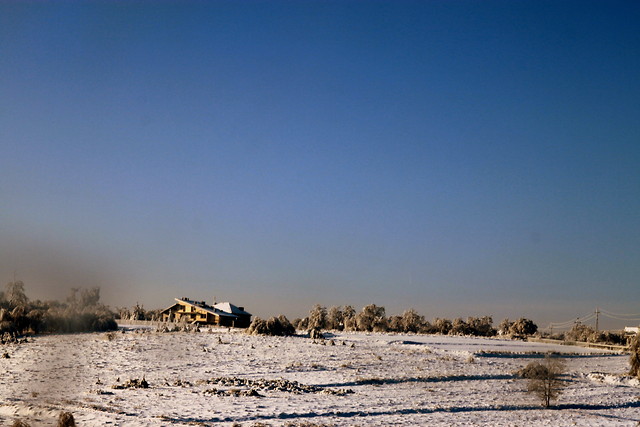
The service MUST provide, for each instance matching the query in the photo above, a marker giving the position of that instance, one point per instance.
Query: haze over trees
(81, 312)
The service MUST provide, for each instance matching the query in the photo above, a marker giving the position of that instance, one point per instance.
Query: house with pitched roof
(201, 313)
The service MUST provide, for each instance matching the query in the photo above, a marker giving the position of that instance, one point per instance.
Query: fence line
(613, 347)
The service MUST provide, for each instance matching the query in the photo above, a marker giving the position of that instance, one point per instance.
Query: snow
(206, 378)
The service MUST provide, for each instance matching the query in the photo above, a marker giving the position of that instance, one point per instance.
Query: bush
(481, 326)
(504, 328)
(459, 327)
(634, 359)
(544, 378)
(581, 332)
(278, 326)
(442, 326)
(523, 327)
(65, 419)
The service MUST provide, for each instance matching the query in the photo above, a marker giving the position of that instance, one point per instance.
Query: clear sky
(458, 157)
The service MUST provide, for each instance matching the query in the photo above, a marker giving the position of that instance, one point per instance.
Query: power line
(637, 315)
(584, 318)
(595, 315)
(621, 318)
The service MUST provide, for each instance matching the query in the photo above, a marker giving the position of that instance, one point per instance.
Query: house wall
(189, 313)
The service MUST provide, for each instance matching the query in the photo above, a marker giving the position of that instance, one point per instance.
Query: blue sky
(461, 158)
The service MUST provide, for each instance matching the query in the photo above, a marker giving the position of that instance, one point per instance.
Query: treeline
(138, 312)
(81, 312)
(585, 333)
(372, 318)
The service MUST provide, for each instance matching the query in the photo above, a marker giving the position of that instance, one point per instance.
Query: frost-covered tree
(412, 321)
(371, 317)
(15, 294)
(299, 323)
(581, 332)
(481, 326)
(442, 326)
(524, 327)
(335, 318)
(634, 359)
(504, 328)
(544, 379)
(459, 327)
(349, 318)
(394, 323)
(318, 317)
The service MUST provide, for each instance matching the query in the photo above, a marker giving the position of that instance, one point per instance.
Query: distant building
(199, 312)
(631, 330)
(243, 319)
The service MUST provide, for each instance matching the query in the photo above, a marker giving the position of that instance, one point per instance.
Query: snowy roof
(227, 307)
(204, 307)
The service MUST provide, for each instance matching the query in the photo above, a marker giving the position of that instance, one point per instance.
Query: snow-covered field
(206, 378)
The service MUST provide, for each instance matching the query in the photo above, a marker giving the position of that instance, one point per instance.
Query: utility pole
(597, 315)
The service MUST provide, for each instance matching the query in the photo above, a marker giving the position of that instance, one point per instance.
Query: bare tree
(544, 378)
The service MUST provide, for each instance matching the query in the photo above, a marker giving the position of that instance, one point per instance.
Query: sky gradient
(461, 158)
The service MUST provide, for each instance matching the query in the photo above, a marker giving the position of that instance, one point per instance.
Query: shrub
(544, 378)
(65, 419)
(634, 359)
(581, 332)
(278, 326)
(523, 327)
(442, 326)
(481, 326)
(459, 327)
(395, 323)
(504, 328)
